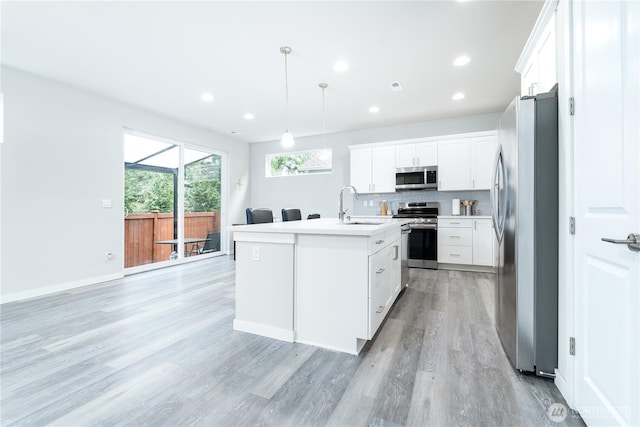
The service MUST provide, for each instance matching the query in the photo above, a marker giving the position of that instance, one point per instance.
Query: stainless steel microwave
(417, 178)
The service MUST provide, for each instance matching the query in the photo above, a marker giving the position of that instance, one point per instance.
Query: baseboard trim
(47, 290)
(467, 267)
(263, 330)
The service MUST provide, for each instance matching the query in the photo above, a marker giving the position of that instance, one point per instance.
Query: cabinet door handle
(380, 309)
(396, 248)
(439, 184)
(380, 271)
(473, 183)
(475, 225)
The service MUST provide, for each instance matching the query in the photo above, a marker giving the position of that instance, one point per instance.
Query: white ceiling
(162, 56)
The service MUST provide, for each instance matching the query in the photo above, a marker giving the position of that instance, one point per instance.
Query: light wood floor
(158, 349)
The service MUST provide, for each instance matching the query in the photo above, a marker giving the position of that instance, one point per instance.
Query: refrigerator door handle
(498, 204)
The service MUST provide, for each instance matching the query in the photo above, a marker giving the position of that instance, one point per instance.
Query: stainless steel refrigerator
(524, 202)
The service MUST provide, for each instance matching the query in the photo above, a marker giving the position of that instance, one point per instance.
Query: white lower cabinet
(454, 241)
(483, 238)
(465, 241)
(384, 283)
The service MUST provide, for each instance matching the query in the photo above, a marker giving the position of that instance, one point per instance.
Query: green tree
(287, 164)
(146, 191)
(202, 185)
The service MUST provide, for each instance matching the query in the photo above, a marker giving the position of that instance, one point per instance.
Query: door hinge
(572, 346)
(572, 225)
(572, 107)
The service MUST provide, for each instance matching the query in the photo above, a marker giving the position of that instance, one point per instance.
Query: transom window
(298, 163)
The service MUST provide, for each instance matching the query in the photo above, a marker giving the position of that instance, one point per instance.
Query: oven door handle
(423, 226)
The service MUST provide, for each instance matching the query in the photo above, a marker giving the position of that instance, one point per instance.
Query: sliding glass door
(173, 200)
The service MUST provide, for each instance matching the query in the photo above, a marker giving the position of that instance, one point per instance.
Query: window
(298, 163)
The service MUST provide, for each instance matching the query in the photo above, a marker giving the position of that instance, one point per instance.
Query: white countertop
(329, 226)
(464, 216)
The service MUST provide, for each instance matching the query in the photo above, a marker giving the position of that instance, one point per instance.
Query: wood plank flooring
(158, 349)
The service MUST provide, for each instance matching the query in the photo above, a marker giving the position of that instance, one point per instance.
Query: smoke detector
(396, 86)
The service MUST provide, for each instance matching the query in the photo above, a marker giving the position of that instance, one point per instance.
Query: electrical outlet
(109, 256)
(364, 203)
(256, 253)
(370, 202)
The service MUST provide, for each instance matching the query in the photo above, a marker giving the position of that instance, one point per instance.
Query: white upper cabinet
(466, 163)
(483, 153)
(454, 168)
(419, 154)
(537, 63)
(373, 169)
(360, 159)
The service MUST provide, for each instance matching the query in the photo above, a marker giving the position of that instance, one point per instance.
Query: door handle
(632, 241)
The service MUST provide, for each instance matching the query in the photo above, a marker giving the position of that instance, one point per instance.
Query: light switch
(106, 203)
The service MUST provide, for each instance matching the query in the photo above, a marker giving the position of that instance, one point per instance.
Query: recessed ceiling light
(458, 96)
(340, 67)
(248, 116)
(461, 60)
(206, 97)
(374, 109)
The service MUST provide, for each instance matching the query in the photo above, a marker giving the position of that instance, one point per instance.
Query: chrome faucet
(342, 210)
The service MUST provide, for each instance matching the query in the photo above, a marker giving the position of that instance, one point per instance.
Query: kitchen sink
(361, 223)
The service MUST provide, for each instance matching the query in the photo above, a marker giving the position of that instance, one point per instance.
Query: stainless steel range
(422, 218)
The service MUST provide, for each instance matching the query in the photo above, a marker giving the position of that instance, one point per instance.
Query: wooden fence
(142, 231)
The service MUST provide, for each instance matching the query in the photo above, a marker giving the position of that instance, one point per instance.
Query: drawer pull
(454, 223)
(454, 254)
(454, 237)
(379, 242)
(380, 309)
(380, 271)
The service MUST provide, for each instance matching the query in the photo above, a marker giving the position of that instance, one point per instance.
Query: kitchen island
(318, 282)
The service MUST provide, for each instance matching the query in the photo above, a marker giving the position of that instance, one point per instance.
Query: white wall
(63, 154)
(319, 193)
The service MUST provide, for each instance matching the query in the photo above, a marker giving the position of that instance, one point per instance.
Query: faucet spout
(342, 210)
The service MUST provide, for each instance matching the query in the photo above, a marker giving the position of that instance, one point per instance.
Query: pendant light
(325, 154)
(287, 138)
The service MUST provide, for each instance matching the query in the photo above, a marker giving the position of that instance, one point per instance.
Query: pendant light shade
(287, 137)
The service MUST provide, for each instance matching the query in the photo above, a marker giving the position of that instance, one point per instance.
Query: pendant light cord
(324, 129)
(286, 89)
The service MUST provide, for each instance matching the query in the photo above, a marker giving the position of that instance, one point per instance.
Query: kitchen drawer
(455, 254)
(455, 236)
(455, 223)
(381, 240)
(377, 242)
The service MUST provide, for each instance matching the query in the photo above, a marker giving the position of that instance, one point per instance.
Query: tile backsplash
(482, 205)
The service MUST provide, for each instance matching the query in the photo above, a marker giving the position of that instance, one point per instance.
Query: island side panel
(332, 291)
(264, 284)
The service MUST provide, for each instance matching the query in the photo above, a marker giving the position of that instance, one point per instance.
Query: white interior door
(607, 186)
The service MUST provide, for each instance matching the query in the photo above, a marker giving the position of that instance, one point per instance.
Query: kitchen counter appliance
(417, 178)
(422, 218)
(524, 205)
